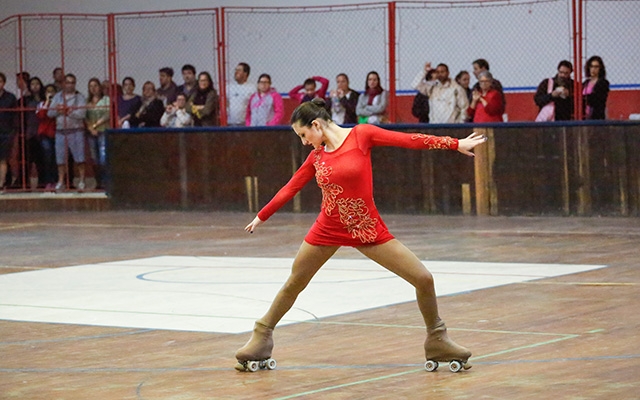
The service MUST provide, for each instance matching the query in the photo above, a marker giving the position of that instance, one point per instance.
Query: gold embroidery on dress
(354, 214)
(329, 190)
(434, 142)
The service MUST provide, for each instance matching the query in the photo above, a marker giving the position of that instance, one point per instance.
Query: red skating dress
(348, 215)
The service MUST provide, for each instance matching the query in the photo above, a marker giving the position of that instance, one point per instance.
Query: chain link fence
(522, 40)
(293, 44)
(146, 42)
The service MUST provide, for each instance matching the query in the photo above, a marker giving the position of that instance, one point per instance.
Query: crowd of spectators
(62, 124)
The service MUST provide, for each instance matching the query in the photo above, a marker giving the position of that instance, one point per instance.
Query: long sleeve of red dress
(348, 215)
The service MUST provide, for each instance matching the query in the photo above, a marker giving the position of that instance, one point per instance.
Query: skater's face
(310, 135)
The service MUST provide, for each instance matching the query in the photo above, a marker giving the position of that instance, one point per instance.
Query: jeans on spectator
(50, 169)
(98, 148)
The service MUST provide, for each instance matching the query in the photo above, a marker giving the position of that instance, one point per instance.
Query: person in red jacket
(341, 164)
(47, 138)
(486, 102)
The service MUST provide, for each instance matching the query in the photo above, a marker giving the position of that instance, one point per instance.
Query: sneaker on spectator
(50, 187)
(59, 186)
(81, 186)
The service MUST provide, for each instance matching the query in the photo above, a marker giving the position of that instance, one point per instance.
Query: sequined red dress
(348, 215)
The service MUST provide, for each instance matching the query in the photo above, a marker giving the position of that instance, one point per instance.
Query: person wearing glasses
(266, 107)
(595, 89)
(69, 109)
(486, 102)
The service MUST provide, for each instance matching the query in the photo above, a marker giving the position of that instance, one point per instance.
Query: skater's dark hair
(309, 111)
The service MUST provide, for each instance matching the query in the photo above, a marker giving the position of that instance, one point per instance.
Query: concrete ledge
(51, 201)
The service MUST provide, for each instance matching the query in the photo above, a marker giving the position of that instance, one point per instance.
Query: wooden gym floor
(568, 337)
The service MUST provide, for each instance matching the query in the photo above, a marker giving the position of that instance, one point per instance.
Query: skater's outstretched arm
(467, 144)
(253, 225)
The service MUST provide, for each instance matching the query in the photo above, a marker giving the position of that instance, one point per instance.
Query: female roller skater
(341, 164)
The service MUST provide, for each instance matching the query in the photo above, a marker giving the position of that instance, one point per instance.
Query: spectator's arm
(278, 107)
(79, 111)
(324, 85)
(247, 120)
(379, 108)
(184, 118)
(361, 106)
(542, 97)
(494, 103)
(295, 93)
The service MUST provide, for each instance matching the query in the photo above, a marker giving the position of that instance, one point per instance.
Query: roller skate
(256, 354)
(439, 348)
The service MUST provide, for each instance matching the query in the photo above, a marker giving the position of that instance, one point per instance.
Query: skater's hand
(253, 225)
(467, 144)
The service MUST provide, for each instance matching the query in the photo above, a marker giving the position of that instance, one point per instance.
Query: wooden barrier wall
(525, 169)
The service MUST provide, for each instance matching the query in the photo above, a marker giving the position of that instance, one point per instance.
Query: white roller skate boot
(256, 354)
(439, 348)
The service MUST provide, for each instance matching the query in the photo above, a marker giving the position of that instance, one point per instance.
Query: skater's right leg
(307, 262)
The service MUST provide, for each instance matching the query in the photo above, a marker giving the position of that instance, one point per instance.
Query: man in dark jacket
(561, 93)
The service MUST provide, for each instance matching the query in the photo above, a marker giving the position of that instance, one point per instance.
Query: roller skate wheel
(455, 366)
(253, 366)
(271, 363)
(431, 365)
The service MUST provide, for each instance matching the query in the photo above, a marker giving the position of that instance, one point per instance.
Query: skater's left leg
(398, 259)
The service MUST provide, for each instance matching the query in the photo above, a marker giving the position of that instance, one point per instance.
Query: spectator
(420, 107)
(97, 120)
(480, 65)
(46, 136)
(486, 103)
(19, 140)
(151, 109)
(560, 92)
(22, 82)
(168, 89)
(69, 109)
(176, 115)
(344, 101)
(58, 79)
(372, 104)
(33, 149)
(595, 89)
(238, 93)
(447, 100)
(310, 91)
(203, 104)
(7, 125)
(266, 107)
(190, 85)
(464, 80)
(129, 102)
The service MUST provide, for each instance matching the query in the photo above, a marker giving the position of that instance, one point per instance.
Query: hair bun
(319, 101)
